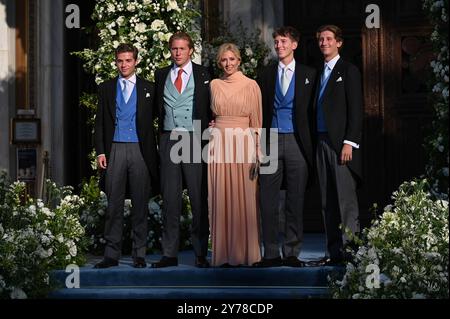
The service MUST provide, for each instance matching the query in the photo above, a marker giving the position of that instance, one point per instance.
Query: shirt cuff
(100, 155)
(354, 145)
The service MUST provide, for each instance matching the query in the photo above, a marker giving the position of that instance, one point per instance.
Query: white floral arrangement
(147, 24)
(36, 237)
(437, 142)
(404, 254)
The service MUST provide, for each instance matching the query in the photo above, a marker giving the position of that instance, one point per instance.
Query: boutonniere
(147, 95)
(339, 79)
(306, 81)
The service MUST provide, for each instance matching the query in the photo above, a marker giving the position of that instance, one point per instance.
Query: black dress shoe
(326, 261)
(293, 261)
(165, 262)
(335, 262)
(139, 262)
(106, 263)
(201, 262)
(269, 262)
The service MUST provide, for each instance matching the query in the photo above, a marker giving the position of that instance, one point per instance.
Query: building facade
(43, 131)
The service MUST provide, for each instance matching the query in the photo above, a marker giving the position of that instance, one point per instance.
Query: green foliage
(147, 25)
(36, 237)
(436, 143)
(408, 244)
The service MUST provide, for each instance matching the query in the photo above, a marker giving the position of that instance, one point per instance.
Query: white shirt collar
(131, 79)
(332, 62)
(187, 68)
(290, 66)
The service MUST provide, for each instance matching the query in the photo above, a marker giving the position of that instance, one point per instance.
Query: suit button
(185, 117)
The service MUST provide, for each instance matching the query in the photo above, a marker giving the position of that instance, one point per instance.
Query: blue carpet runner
(189, 282)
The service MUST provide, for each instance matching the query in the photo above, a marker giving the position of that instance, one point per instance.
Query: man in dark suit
(287, 92)
(126, 148)
(183, 101)
(338, 124)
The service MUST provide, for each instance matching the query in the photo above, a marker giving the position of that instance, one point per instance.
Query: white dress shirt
(187, 71)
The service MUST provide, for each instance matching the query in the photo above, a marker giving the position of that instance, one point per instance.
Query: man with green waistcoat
(183, 102)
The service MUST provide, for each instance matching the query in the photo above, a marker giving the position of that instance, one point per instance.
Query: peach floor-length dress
(233, 204)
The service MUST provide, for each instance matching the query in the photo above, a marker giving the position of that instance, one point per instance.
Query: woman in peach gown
(233, 149)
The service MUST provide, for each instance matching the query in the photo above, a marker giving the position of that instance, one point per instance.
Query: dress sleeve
(256, 109)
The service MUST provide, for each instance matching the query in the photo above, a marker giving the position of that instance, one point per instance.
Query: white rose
(172, 5)
(166, 54)
(140, 27)
(120, 20)
(111, 8)
(73, 250)
(157, 25)
(131, 7)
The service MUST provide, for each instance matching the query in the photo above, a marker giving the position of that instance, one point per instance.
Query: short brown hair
(332, 28)
(227, 47)
(126, 47)
(180, 35)
(287, 31)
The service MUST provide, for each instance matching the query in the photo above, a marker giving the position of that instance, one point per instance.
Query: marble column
(50, 84)
(7, 68)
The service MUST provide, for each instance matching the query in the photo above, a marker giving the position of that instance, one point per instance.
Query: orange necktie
(179, 82)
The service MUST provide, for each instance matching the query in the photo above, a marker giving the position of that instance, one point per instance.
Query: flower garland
(146, 24)
(437, 142)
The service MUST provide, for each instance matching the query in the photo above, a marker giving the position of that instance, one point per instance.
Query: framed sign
(26, 164)
(26, 131)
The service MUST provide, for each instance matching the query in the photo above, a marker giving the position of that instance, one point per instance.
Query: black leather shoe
(165, 262)
(201, 262)
(326, 261)
(139, 262)
(269, 262)
(293, 261)
(106, 263)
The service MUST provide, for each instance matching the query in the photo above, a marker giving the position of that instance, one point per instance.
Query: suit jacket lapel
(139, 101)
(112, 97)
(331, 84)
(300, 79)
(196, 73)
(271, 83)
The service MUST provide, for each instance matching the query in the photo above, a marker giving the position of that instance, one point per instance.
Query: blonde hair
(227, 47)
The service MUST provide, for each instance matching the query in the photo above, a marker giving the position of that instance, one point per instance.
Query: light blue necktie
(284, 80)
(125, 91)
(324, 79)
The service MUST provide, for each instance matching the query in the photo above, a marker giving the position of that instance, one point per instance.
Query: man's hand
(101, 161)
(346, 154)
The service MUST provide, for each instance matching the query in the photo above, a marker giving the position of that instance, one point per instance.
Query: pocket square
(206, 82)
(147, 95)
(339, 79)
(306, 81)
